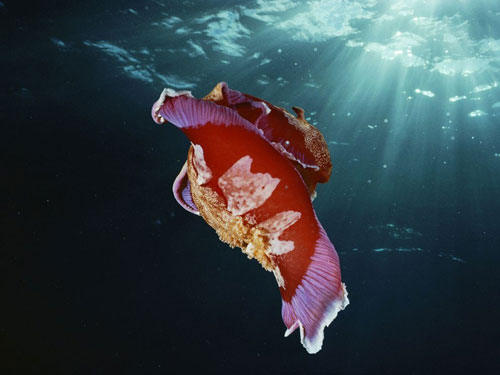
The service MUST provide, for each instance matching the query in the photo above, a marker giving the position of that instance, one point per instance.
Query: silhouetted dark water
(103, 272)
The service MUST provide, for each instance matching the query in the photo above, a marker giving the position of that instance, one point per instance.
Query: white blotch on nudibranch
(280, 221)
(275, 226)
(204, 173)
(244, 190)
(279, 277)
(279, 247)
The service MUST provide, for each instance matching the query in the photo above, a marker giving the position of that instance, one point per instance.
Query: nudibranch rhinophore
(251, 173)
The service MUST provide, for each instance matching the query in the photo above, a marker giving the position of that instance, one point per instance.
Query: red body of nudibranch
(251, 176)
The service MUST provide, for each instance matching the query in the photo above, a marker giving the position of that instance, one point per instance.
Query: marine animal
(251, 173)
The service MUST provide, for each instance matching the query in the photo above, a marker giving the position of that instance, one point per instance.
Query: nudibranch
(251, 173)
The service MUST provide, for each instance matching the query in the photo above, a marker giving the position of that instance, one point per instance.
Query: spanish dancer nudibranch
(251, 173)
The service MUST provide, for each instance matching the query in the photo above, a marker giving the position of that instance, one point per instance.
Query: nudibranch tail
(318, 297)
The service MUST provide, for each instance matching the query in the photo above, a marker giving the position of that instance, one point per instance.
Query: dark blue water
(102, 271)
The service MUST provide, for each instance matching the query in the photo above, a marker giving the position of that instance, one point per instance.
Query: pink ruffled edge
(184, 111)
(182, 191)
(318, 298)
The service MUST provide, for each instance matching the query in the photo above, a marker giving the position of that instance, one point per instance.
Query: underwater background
(101, 271)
